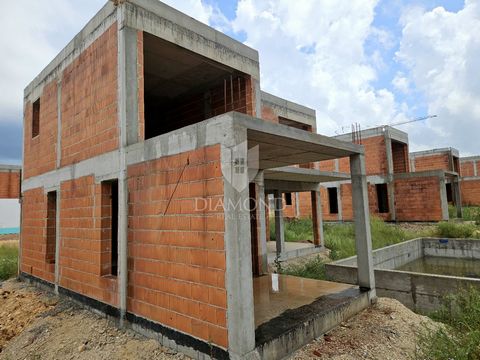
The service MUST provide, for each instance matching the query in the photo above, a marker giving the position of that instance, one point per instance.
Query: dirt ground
(38, 325)
(9, 237)
(386, 331)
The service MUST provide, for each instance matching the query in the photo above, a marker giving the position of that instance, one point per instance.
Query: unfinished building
(145, 170)
(10, 181)
(399, 188)
(470, 180)
(9, 195)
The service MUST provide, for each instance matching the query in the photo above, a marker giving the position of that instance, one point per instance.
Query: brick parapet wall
(432, 162)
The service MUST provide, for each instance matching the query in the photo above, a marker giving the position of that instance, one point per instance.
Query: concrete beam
(279, 224)
(289, 186)
(363, 239)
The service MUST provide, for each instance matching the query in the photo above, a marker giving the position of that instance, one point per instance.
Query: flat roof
(435, 152)
(7, 167)
(391, 132)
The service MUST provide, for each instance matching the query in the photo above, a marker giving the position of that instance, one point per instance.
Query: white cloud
(33, 32)
(313, 52)
(441, 49)
(401, 82)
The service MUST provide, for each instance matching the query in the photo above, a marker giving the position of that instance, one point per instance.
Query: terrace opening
(183, 88)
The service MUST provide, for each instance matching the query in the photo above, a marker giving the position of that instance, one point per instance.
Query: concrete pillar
(339, 202)
(444, 198)
(390, 179)
(297, 205)
(57, 240)
(363, 238)
(457, 196)
(238, 275)
(261, 220)
(317, 219)
(279, 225)
(128, 131)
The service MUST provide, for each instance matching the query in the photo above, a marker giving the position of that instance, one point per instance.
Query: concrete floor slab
(274, 294)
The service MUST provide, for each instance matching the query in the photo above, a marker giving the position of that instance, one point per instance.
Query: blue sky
(367, 61)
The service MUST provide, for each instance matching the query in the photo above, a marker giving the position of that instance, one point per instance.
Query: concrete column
(128, 130)
(58, 239)
(363, 238)
(444, 198)
(59, 124)
(261, 219)
(238, 275)
(457, 196)
(390, 180)
(339, 202)
(279, 225)
(297, 205)
(317, 219)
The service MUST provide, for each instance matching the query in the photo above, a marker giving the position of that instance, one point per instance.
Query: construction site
(159, 183)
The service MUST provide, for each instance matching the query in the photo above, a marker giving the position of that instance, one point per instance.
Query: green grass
(295, 229)
(340, 238)
(457, 230)
(312, 269)
(459, 339)
(471, 213)
(8, 261)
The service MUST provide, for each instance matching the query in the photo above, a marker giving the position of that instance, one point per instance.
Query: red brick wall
(9, 184)
(177, 260)
(470, 192)
(375, 155)
(467, 168)
(81, 233)
(34, 235)
(418, 199)
(400, 158)
(89, 101)
(40, 154)
(432, 162)
(327, 165)
(268, 114)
